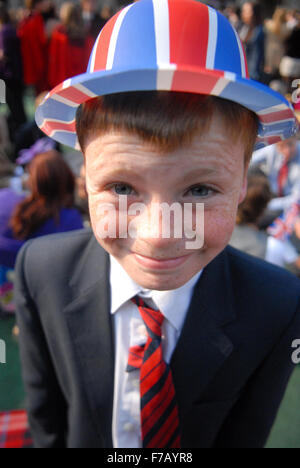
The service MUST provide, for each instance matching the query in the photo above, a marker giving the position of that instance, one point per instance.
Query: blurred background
(42, 184)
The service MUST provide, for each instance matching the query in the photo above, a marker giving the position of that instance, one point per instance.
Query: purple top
(9, 199)
(70, 220)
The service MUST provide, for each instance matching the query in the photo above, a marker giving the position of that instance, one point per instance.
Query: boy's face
(211, 172)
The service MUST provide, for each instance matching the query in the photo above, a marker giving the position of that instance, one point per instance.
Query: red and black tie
(159, 411)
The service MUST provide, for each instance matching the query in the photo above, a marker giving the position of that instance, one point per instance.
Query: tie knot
(153, 319)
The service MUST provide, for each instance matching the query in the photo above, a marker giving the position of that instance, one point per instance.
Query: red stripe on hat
(277, 116)
(52, 126)
(186, 80)
(104, 43)
(185, 31)
(274, 139)
(57, 89)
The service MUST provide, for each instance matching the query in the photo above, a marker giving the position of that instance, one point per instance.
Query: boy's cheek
(218, 228)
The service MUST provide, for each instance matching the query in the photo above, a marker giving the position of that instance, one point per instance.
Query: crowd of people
(40, 47)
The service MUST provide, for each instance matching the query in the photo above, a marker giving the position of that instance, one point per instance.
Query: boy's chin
(160, 280)
(157, 282)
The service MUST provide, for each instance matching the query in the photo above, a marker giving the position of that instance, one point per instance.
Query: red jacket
(34, 49)
(66, 58)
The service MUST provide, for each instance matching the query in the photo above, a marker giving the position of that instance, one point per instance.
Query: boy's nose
(160, 225)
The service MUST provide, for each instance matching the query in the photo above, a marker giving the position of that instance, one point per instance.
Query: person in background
(69, 51)
(93, 21)
(11, 71)
(29, 133)
(34, 45)
(253, 37)
(291, 19)
(281, 250)
(48, 209)
(290, 64)
(233, 13)
(50, 18)
(281, 164)
(277, 33)
(247, 236)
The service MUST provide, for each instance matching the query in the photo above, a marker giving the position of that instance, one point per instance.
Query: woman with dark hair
(48, 209)
(253, 37)
(69, 47)
(11, 71)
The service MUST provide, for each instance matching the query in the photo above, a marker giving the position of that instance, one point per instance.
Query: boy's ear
(244, 189)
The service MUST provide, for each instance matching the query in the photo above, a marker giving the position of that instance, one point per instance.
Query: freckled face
(211, 171)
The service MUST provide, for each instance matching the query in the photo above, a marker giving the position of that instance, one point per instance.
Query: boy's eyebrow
(116, 172)
(206, 172)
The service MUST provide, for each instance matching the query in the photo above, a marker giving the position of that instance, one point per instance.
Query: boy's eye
(201, 191)
(122, 189)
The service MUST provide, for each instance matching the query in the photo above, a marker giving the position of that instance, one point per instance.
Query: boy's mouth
(162, 264)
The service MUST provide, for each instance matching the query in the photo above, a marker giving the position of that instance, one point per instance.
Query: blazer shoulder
(53, 257)
(273, 288)
(47, 247)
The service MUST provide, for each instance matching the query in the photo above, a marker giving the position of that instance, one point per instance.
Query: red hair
(52, 186)
(168, 120)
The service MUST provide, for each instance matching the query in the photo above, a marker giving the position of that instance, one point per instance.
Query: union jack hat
(167, 45)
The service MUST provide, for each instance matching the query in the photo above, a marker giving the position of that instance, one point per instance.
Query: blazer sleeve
(46, 406)
(251, 420)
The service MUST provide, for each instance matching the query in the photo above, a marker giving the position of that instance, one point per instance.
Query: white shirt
(130, 330)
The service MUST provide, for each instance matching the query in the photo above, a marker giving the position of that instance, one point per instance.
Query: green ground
(285, 434)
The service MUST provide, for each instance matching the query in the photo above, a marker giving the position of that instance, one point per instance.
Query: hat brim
(56, 115)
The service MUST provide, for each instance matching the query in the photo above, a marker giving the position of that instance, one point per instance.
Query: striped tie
(159, 411)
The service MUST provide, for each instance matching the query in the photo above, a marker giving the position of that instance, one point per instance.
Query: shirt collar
(173, 304)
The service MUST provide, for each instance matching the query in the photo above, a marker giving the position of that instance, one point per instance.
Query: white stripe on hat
(242, 55)
(162, 30)
(63, 100)
(114, 38)
(165, 77)
(85, 90)
(212, 39)
(270, 110)
(220, 86)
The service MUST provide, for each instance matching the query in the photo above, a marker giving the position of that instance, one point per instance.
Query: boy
(130, 338)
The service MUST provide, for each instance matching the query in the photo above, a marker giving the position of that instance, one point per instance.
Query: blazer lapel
(90, 326)
(203, 346)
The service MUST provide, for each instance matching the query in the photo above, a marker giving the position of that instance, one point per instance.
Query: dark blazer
(230, 367)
